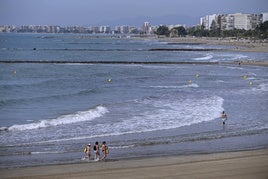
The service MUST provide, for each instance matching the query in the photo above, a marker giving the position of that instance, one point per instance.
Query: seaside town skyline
(208, 22)
(115, 12)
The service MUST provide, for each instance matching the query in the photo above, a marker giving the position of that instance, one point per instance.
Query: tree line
(260, 32)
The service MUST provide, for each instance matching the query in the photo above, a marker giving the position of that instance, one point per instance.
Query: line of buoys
(196, 76)
(246, 77)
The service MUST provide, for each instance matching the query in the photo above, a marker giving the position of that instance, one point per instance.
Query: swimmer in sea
(223, 117)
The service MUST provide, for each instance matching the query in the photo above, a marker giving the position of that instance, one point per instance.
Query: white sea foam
(192, 85)
(167, 87)
(251, 78)
(46, 152)
(257, 89)
(62, 120)
(170, 114)
(235, 68)
(122, 147)
(219, 81)
(164, 114)
(232, 57)
(240, 56)
(261, 88)
(3, 128)
(207, 57)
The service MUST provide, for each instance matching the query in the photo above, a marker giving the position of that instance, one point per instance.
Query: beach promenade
(246, 164)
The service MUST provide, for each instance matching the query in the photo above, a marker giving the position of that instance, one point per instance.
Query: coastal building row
(124, 29)
(146, 28)
(233, 21)
(209, 22)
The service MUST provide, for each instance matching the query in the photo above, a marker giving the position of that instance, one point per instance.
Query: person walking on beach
(105, 150)
(223, 117)
(87, 151)
(96, 151)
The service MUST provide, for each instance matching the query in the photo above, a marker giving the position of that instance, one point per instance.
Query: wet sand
(246, 164)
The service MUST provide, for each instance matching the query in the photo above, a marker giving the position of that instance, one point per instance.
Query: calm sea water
(49, 112)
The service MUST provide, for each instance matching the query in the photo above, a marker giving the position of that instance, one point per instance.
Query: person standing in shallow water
(223, 117)
(87, 151)
(96, 151)
(105, 150)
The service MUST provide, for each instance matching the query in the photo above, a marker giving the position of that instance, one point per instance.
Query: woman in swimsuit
(105, 150)
(96, 151)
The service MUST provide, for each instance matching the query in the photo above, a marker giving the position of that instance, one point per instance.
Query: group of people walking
(96, 148)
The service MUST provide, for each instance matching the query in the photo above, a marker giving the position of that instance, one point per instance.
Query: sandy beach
(245, 164)
(239, 45)
(242, 45)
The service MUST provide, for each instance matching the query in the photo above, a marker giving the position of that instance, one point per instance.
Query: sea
(60, 92)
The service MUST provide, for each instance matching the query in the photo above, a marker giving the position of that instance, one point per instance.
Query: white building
(146, 28)
(94, 29)
(264, 17)
(207, 21)
(105, 29)
(242, 21)
(124, 29)
(233, 21)
(226, 22)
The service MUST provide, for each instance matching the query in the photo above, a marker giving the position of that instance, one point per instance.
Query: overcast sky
(90, 12)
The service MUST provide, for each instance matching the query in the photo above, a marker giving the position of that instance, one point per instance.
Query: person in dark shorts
(96, 149)
(223, 117)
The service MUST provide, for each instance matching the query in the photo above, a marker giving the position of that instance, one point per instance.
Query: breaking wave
(192, 85)
(62, 120)
(207, 57)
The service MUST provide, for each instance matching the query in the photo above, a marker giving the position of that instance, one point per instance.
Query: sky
(93, 12)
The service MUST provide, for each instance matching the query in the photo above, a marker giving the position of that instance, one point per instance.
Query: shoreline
(241, 164)
(242, 45)
(237, 62)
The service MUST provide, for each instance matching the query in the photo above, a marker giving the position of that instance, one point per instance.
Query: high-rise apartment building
(104, 29)
(146, 27)
(242, 21)
(208, 20)
(226, 22)
(264, 17)
(233, 21)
